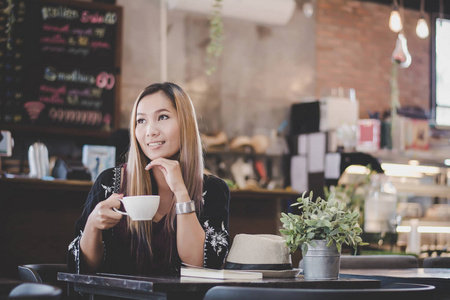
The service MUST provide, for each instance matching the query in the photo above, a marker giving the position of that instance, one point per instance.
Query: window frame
(433, 102)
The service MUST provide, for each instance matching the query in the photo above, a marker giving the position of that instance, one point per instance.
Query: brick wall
(354, 45)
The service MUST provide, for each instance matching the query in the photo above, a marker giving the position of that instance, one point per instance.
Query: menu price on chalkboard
(60, 64)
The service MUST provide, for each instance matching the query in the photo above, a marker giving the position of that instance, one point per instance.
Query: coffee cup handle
(120, 212)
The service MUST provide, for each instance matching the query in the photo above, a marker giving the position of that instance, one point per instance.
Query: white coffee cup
(140, 208)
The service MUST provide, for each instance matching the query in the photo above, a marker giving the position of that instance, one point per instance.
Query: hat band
(275, 267)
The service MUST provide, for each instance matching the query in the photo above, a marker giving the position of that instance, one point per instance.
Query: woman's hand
(103, 216)
(172, 173)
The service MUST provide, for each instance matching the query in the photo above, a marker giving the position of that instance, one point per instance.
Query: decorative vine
(8, 11)
(215, 46)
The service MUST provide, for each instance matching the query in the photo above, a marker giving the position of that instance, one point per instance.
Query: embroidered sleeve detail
(214, 220)
(115, 187)
(117, 179)
(74, 248)
(215, 246)
(203, 197)
(204, 253)
(107, 189)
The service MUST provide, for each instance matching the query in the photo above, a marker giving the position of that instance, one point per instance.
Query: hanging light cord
(400, 10)
(395, 5)
(422, 10)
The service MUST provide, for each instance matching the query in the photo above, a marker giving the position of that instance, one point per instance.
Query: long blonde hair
(138, 181)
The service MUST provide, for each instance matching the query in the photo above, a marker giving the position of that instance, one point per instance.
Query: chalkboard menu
(60, 66)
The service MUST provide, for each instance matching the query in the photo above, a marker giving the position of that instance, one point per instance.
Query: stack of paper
(219, 274)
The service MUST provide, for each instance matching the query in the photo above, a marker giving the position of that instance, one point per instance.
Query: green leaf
(339, 247)
(327, 223)
(304, 248)
(330, 242)
(343, 226)
(334, 232)
(312, 223)
(284, 231)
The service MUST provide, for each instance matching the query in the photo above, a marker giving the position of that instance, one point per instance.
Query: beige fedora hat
(264, 253)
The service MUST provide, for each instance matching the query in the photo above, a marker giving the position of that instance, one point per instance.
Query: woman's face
(157, 127)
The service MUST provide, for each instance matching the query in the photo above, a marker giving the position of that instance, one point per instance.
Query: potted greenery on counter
(321, 228)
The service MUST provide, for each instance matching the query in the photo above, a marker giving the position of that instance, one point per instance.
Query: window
(440, 73)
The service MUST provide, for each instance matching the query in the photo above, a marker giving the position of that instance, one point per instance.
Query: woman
(165, 158)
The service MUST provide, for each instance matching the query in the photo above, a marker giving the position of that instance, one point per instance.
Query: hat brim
(277, 273)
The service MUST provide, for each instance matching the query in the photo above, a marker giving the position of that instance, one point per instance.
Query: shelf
(241, 153)
(423, 190)
(85, 186)
(434, 157)
(259, 193)
(39, 184)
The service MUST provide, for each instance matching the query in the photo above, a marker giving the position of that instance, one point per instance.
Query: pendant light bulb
(422, 28)
(395, 22)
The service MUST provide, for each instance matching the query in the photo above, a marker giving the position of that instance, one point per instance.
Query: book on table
(219, 273)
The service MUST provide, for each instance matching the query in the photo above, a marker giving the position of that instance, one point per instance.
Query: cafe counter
(37, 217)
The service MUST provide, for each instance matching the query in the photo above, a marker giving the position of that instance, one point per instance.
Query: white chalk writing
(62, 12)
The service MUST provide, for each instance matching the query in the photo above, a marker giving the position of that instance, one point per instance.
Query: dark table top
(440, 278)
(135, 285)
(418, 273)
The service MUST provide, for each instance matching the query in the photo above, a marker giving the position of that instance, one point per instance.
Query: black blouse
(119, 249)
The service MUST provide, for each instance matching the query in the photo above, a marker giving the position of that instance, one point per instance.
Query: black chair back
(43, 273)
(436, 262)
(35, 291)
(393, 292)
(379, 262)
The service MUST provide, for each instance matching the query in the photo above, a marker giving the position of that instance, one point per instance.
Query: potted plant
(320, 230)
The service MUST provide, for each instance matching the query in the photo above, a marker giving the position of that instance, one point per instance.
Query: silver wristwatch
(184, 207)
